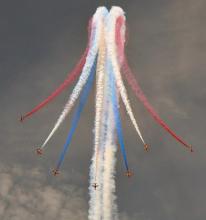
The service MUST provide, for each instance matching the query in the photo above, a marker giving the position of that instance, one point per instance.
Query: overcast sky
(40, 42)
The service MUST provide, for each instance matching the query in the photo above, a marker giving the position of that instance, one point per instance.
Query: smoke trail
(95, 202)
(95, 205)
(77, 114)
(97, 159)
(114, 12)
(120, 40)
(117, 117)
(99, 96)
(139, 94)
(109, 198)
(96, 30)
(70, 78)
(120, 31)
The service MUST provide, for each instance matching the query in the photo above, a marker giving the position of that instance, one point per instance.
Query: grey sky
(40, 41)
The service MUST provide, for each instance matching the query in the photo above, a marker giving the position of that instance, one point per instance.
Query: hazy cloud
(25, 196)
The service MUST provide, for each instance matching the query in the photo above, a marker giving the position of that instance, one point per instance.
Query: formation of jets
(55, 172)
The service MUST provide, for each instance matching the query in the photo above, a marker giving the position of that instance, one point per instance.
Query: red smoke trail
(72, 76)
(135, 86)
(119, 39)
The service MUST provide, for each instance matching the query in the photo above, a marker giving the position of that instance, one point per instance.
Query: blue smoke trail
(77, 113)
(117, 115)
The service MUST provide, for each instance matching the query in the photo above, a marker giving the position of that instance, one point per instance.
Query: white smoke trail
(115, 12)
(97, 160)
(95, 204)
(109, 205)
(97, 24)
(110, 148)
(99, 94)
